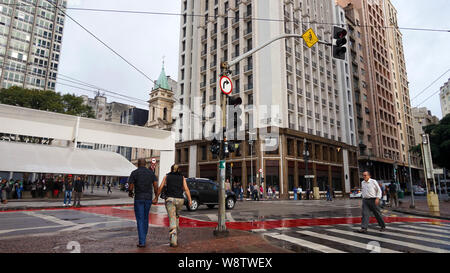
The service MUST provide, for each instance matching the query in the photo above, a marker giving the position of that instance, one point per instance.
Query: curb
(421, 214)
(22, 208)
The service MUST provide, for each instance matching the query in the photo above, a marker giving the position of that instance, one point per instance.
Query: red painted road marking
(163, 221)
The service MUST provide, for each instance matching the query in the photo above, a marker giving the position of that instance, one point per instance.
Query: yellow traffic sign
(310, 38)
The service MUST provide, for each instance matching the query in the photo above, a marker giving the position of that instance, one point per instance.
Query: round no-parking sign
(226, 85)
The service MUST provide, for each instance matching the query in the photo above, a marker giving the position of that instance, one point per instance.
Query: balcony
(212, 65)
(235, 21)
(204, 38)
(202, 85)
(309, 113)
(204, 52)
(234, 54)
(248, 68)
(248, 15)
(310, 131)
(248, 87)
(248, 31)
(247, 49)
(300, 91)
(301, 110)
(224, 27)
(290, 87)
(235, 39)
(213, 32)
(289, 68)
(289, 50)
(317, 116)
(308, 95)
(291, 106)
(298, 56)
(203, 69)
(316, 82)
(213, 81)
(324, 102)
(308, 77)
(212, 98)
(213, 48)
(224, 43)
(316, 98)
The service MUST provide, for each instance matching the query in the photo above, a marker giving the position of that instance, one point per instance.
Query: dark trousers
(369, 206)
(141, 211)
(77, 198)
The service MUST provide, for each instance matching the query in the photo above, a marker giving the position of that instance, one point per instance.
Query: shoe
(64, 205)
(382, 229)
(140, 246)
(361, 231)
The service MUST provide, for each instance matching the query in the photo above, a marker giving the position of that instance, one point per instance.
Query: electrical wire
(228, 17)
(430, 85)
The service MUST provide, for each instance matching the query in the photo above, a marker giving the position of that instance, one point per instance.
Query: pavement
(422, 209)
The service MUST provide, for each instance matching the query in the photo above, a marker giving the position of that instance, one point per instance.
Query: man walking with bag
(143, 181)
(371, 194)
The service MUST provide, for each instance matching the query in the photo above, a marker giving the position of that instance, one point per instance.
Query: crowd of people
(58, 186)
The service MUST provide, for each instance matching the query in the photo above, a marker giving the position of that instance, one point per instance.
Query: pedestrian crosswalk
(398, 238)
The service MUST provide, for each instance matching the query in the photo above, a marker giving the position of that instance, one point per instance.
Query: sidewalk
(421, 208)
(99, 197)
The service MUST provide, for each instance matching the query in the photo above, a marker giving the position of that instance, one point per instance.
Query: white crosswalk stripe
(398, 238)
(392, 241)
(301, 242)
(342, 241)
(423, 231)
(441, 227)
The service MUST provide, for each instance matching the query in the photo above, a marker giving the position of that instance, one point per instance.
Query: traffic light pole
(221, 228)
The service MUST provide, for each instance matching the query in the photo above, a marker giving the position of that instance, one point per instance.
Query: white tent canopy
(35, 158)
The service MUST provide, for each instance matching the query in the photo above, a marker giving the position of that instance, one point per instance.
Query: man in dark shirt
(143, 181)
(78, 191)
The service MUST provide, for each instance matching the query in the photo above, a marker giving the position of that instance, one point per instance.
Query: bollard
(316, 193)
(433, 202)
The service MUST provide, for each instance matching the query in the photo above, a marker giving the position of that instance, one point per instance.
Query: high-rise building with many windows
(30, 42)
(308, 93)
(380, 82)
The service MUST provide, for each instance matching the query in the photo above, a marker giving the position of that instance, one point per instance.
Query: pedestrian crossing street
(398, 238)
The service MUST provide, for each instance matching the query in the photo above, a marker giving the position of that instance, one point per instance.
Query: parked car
(206, 192)
(418, 190)
(356, 193)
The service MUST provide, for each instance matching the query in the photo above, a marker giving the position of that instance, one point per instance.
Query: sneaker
(140, 246)
(363, 230)
(382, 229)
(70, 205)
(64, 204)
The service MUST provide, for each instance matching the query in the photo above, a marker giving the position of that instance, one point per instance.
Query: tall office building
(383, 109)
(445, 98)
(30, 42)
(307, 92)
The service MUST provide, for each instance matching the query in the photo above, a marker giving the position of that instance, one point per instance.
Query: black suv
(206, 192)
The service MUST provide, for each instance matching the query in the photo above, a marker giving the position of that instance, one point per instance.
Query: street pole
(221, 228)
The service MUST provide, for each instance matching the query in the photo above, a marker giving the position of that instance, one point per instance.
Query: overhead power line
(430, 85)
(230, 17)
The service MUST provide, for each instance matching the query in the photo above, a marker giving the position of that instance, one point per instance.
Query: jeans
(67, 193)
(329, 198)
(141, 211)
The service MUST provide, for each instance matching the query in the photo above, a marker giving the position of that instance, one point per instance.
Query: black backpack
(393, 187)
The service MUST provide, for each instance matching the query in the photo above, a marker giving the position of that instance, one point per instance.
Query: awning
(35, 158)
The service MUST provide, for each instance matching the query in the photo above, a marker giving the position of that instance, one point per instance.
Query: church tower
(161, 104)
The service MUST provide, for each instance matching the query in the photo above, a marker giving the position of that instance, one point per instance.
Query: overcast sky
(145, 39)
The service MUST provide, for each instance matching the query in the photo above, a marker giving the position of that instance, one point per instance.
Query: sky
(145, 40)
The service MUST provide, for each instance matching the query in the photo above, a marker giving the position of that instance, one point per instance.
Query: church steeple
(162, 81)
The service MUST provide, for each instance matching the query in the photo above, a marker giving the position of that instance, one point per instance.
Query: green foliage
(440, 142)
(46, 100)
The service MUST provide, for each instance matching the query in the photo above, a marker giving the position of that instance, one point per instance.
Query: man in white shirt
(371, 194)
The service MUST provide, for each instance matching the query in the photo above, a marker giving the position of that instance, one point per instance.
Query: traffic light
(215, 147)
(226, 148)
(235, 101)
(338, 49)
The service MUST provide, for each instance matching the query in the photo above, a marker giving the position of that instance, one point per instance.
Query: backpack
(393, 187)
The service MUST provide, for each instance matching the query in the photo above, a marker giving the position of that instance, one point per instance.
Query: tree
(440, 142)
(43, 100)
(46, 100)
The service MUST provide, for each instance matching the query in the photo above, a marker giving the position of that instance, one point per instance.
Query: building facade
(383, 109)
(136, 117)
(422, 117)
(307, 94)
(445, 98)
(30, 43)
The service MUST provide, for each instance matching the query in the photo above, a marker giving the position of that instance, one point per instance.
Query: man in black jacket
(143, 181)
(78, 191)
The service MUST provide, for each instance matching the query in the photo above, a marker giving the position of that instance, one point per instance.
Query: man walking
(78, 191)
(143, 181)
(371, 194)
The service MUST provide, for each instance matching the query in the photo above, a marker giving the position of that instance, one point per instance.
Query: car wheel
(194, 206)
(211, 206)
(230, 203)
